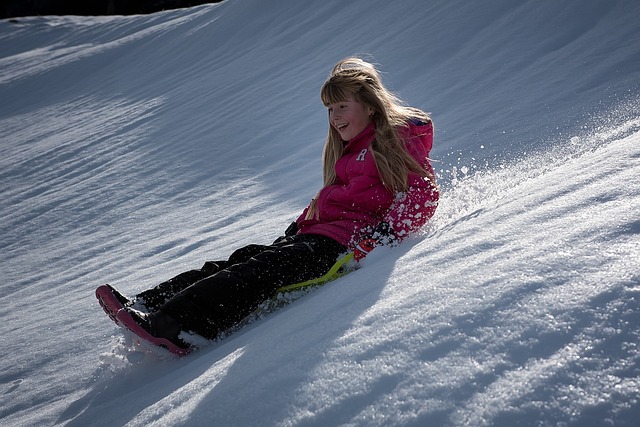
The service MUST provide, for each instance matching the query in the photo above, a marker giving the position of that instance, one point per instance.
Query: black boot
(157, 328)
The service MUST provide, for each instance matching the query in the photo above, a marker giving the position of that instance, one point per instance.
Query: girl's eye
(339, 107)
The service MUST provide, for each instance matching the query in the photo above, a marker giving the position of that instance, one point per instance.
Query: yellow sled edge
(333, 273)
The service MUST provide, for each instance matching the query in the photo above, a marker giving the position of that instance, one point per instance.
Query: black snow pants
(216, 297)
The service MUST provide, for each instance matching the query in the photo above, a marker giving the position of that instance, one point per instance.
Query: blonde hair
(359, 80)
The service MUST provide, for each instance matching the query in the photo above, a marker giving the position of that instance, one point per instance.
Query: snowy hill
(135, 148)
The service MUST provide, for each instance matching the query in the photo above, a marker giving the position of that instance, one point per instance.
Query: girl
(378, 188)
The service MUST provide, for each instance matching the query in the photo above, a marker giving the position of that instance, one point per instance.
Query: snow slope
(134, 148)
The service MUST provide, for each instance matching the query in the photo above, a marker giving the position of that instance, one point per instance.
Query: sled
(342, 266)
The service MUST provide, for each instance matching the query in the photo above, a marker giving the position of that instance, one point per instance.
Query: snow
(135, 148)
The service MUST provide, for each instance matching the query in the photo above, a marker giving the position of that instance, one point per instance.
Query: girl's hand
(382, 235)
(363, 248)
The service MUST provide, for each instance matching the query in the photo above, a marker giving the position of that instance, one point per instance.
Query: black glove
(383, 234)
(291, 230)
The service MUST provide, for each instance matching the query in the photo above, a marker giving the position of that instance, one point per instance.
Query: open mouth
(342, 126)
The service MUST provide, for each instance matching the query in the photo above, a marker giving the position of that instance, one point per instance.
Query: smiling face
(349, 118)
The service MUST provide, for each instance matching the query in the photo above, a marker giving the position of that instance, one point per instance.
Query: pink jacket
(357, 202)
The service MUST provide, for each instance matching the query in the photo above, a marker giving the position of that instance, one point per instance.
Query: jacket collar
(362, 140)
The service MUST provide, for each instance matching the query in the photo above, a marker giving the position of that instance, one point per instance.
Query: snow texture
(135, 148)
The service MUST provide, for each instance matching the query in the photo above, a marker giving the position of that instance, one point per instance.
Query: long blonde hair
(357, 79)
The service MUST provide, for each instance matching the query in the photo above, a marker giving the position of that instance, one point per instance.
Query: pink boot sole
(125, 319)
(109, 302)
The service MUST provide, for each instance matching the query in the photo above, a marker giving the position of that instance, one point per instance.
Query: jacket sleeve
(412, 209)
(303, 215)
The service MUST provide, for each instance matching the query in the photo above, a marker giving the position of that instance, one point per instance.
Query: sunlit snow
(135, 148)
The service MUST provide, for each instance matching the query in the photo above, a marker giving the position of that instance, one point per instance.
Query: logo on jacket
(360, 157)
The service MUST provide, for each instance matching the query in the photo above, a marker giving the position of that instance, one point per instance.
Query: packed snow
(135, 148)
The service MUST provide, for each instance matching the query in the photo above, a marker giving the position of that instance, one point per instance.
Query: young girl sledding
(379, 187)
